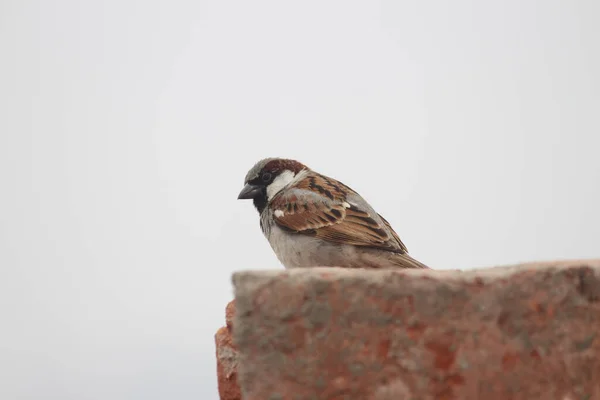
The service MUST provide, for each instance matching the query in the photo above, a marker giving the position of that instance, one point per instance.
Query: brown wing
(317, 206)
(394, 234)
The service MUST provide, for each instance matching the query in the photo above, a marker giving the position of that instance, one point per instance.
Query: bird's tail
(406, 261)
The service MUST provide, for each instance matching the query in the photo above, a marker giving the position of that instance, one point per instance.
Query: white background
(126, 129)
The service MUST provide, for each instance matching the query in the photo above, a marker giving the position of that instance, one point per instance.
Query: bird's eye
(266, 177)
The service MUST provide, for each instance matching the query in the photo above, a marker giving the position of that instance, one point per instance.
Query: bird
(312, 220)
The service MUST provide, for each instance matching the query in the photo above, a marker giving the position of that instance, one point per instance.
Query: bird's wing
(318, 206)
(394, 234)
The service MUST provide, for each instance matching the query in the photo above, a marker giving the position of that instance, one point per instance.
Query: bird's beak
(249, 192)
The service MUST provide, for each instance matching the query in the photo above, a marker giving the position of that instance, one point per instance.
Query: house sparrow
(311, 220)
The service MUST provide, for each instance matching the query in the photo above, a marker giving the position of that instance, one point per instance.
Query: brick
(227, 358)
(523, 332)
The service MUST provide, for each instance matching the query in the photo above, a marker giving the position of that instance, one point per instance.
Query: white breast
(296, 250)
(293, 250)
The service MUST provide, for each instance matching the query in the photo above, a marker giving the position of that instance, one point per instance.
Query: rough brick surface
(227, 358)
(524, 332)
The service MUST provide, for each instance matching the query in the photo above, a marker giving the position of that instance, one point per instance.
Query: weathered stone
(227, 359)
(523, 332)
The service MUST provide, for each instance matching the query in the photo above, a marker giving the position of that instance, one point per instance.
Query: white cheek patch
(278, 213)
(279, 183)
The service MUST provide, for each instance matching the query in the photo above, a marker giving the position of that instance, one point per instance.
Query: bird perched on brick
(312, 220)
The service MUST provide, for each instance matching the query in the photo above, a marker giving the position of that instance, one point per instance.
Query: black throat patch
(260, 201)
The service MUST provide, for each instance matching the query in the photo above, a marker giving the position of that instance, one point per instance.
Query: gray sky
(126, 129)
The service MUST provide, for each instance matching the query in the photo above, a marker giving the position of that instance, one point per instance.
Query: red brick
(524, 332)
(227, 359)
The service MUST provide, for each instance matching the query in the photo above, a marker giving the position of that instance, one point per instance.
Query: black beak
(250, 191)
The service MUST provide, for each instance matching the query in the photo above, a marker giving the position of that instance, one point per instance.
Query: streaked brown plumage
(313, 220)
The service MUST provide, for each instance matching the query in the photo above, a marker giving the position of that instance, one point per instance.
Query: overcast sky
(127, 127)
